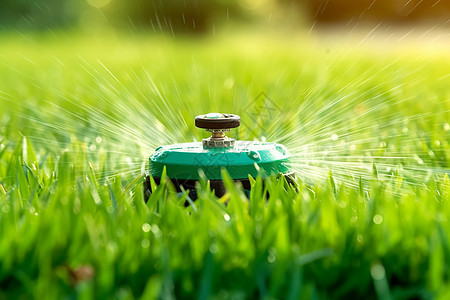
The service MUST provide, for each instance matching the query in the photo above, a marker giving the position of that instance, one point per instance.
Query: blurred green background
(172, 15)
(199, 16)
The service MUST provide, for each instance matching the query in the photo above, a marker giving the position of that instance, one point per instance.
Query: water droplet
(228, 83)
(360, 238)
(378, 219)
(98, 139)
(272, 251)
(156, 231)
(334, 137)
(2, 146)
(271, 258)
(145, 243)
(146, 227)
(213, 248)
(377, 272)
(112, 247)
(446, 127)
(226, 217)
(258, 217)
(258, 231)
(92, 147)
(437, 142)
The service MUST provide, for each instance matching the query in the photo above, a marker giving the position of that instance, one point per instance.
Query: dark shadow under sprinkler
(239, 158)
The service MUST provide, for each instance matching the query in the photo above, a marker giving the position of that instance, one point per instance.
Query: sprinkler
(184, 162)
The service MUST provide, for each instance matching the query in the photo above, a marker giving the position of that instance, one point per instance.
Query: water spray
(186, 162)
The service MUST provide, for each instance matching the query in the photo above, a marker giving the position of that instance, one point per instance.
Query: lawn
(367, 127)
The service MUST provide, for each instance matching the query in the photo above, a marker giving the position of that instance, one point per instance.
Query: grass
(73, 223)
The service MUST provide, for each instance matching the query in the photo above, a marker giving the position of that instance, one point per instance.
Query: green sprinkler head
(185, 162)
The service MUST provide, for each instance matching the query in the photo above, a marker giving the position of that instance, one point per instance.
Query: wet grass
(74, 138)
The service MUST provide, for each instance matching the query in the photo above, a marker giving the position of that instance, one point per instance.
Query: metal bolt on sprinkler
(184, 162)
(218, 125)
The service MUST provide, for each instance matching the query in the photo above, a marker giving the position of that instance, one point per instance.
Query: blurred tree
(329, 11)
(198, 16)
(161, 15)
(175, 15)
(38, 14)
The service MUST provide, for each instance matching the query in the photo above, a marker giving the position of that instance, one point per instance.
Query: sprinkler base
(216, 185)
